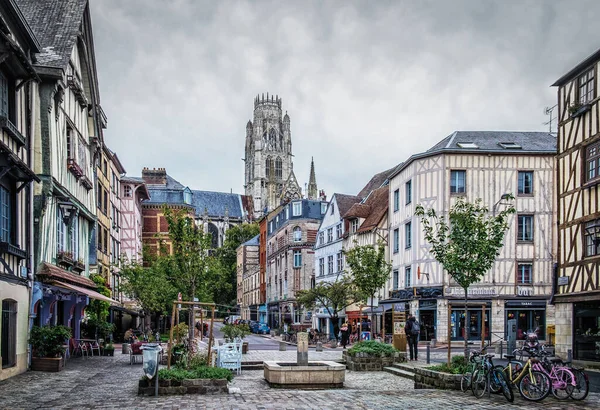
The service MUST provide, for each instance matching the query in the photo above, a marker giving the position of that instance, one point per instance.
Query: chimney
(154, 176)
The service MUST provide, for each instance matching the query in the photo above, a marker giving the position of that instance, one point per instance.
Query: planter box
(47, 364)
(430, 379)
(362, 362)
(186, 386)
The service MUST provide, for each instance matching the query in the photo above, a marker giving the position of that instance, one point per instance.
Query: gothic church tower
(268, 154)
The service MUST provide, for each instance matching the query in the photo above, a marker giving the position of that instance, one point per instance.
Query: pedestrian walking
(345, 330)
(412, 329)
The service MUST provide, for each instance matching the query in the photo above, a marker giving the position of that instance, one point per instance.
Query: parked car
(263, 328)
(253, 325)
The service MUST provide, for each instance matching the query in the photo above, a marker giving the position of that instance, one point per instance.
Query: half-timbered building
(67, 139)
(578, 212)
(18, 92)
(486, 165)
(133, 193)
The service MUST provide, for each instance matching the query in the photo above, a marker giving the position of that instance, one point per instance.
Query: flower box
(47, 364)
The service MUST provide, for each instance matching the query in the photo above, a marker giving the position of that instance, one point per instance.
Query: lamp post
(504, 197)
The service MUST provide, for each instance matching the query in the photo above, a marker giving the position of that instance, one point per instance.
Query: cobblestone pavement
(110, 383)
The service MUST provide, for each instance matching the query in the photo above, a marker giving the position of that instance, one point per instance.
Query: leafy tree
(150, 285)
(224, 289)
(335, 296)
(190, 259)
(468, 243)
(99, 310)
(369, 268)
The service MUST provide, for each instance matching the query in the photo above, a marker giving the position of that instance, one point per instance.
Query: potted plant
(232, 332)
(47, 345)
(109, 350)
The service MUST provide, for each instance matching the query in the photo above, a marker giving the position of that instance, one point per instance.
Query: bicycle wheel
(562, 384)
(479, 383)
(500, 380)
(582, 385)
(465, 380)
(534, 388)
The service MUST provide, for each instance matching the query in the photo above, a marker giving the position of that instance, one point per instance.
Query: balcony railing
(12, 130)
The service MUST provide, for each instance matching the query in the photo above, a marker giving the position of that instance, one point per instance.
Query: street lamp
(504, 197)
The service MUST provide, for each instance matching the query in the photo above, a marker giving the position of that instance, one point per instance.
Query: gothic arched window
(268, 167)
(272, 137)
(278, 171)
(281, 142)
(214, 233)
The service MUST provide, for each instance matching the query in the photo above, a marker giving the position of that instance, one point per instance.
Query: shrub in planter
(47, 345)
(231, 332)
(372, 348)
(109, 350)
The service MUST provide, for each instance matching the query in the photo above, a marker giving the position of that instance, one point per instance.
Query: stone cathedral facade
(270, 178)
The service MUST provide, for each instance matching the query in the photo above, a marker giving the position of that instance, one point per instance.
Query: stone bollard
(319, 347)
(432, 343)
(302, 348)
(282, 346)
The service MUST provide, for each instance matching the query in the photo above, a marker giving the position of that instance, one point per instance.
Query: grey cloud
(366, 84)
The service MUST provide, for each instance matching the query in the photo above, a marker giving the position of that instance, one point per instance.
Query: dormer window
(468, 145)
(510, 145)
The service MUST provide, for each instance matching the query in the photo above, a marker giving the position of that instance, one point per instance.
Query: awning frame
(88, 292)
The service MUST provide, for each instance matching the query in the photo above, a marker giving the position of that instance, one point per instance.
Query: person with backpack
(412, 329)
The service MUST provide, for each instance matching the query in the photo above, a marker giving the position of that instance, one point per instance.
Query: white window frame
(296, 208)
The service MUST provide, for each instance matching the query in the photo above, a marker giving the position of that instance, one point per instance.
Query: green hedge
(458, 365)
(373, 348)
(201, 372)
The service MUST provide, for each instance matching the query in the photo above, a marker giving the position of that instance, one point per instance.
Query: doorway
(427, 318)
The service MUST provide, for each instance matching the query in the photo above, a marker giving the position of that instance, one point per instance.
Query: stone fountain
(304, 374)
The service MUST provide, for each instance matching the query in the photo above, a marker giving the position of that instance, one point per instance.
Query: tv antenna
(550, 112)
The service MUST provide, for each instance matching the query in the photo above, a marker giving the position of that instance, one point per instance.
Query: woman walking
(345, 329)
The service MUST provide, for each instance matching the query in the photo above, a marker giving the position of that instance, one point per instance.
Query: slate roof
(490, 141)
(378, 206)
(345, 202)
(132, 180)
(375, 182)
(216, 203)
(56, 25)
(252, 242)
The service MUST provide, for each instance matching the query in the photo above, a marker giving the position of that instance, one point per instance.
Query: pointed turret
(312, 191)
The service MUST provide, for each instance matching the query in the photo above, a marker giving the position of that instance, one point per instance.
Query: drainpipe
(30, 241)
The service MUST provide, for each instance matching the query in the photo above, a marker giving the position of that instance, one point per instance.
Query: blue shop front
(60, 297)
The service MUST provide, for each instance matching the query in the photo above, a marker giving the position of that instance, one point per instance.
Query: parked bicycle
(493, 380)
(533, 385)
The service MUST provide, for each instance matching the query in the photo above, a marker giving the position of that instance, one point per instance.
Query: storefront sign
(477, 291)
(524, 290)
(428, 304)
(526, 303)
(563, 280)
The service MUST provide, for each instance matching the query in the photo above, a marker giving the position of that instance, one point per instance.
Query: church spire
(312, 182)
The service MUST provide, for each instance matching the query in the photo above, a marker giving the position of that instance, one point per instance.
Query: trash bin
(432, 343)
(125, 348)
(150, 356)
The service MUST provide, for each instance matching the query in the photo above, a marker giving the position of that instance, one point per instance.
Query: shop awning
(91, 293)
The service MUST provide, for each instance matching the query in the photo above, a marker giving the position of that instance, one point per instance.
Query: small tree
(468, 243)
(369, 268)
(191, 261)
(335, 296)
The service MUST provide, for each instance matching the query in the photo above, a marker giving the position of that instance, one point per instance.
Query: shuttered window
(5, 217)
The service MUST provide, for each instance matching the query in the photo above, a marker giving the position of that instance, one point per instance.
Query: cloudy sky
(366, 84)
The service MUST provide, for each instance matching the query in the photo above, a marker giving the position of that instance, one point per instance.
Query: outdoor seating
(135, 352)
(230, 357)
(81, 347)
(94, 345)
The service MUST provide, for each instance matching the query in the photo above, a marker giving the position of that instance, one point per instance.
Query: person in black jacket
(412, 329)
